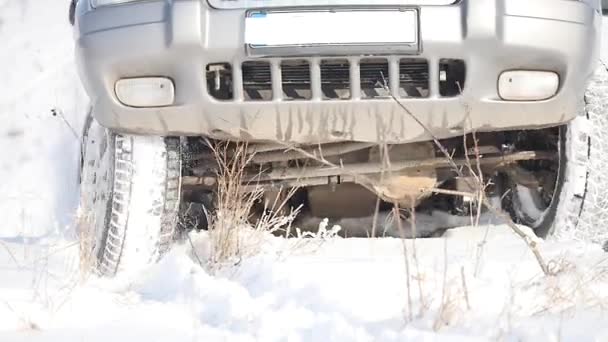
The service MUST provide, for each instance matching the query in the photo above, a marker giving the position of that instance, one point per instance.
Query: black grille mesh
(413, 78)
(295, 76)
(257, 81)
(335, 79)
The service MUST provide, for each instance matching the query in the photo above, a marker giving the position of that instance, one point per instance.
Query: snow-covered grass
(231, 237)
(477, 284)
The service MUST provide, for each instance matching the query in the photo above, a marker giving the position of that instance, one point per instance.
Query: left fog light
(145, 92)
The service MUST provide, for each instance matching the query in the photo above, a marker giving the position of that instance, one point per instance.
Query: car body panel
(178, 39)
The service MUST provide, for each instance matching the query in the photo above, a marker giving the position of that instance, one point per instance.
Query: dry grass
(233, 235)
(86, 244)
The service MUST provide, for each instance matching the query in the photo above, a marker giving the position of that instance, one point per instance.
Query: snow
(42, 107)
(474, 284)
(333, 290)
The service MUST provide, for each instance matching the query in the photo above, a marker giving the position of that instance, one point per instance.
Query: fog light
(145, 92)
(521, 85)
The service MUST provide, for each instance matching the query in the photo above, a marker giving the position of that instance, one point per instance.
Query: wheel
(130, 196)
(571, 200)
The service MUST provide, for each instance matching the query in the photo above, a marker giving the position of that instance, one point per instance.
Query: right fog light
(524, 85)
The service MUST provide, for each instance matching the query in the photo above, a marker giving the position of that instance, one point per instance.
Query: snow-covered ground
(341, 290)
(478, 284)
(42, 107)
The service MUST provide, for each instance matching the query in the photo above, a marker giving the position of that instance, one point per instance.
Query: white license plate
(313, 28)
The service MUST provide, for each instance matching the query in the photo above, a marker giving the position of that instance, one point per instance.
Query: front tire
(579, 207)
(130, 196)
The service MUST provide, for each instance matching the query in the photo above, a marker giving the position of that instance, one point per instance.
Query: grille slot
(374, 75)
(413, 78)
(335, 79)
(452, 73)
(219, 81)
(257, 81)
(295, 75)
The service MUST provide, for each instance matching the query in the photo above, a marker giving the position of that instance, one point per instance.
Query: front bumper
(178, 39)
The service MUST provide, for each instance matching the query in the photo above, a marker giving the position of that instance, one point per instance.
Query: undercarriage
(354, 180)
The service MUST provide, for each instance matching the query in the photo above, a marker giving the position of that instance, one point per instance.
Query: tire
(579, 209)
(130, 196)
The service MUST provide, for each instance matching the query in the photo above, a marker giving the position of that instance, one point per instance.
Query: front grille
(334, 79)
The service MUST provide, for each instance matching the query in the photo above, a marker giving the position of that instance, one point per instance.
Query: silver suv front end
(184, 67)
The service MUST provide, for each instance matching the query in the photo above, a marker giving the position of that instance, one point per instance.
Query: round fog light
(522, 85)
(145, 92)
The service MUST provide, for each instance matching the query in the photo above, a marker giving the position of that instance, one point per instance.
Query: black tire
(130, 196)
(579, 208)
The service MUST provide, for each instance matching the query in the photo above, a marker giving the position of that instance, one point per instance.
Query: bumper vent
(219, 81)
(451, 77)
(413, 78)
(374, 75)
(295, 76)
(335, 79)
(257, 81)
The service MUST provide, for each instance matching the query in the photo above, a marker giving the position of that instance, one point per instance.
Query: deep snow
(336, 290)
(342, 290)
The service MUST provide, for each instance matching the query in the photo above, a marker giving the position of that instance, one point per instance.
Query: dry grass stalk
(10, 254)
(310, 242)
(423, 303)
(375, 219)
(232, 234)
(397, 218)
(477, 174)
(442, 308)
(465, 288)
(529, 240)
(86, 245)
(573, 288)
